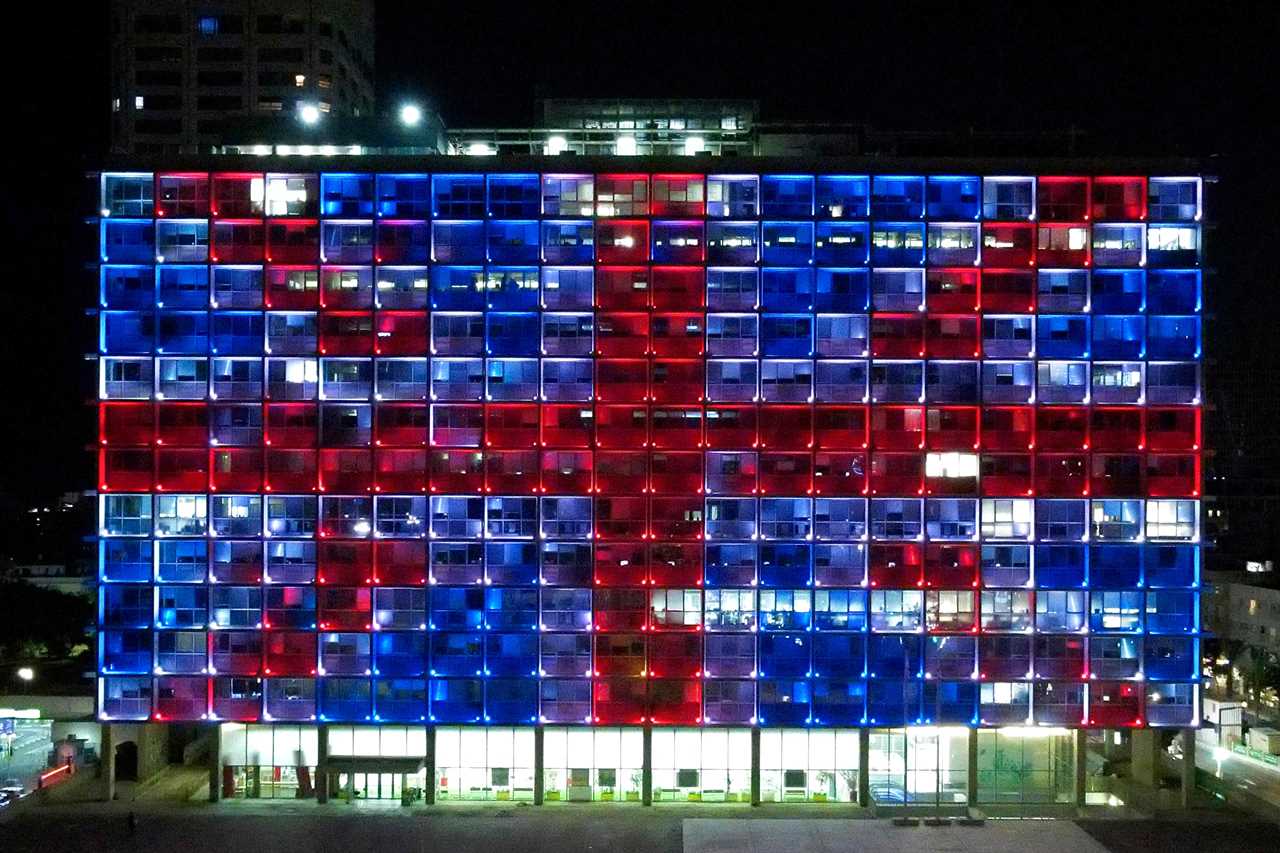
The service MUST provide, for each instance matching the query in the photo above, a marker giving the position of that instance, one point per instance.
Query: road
(31, 747)
(1240, 771)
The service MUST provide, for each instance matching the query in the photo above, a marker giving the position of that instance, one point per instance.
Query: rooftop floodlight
(309, 114)
(410, 115)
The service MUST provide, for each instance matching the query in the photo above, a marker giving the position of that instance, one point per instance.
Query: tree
(1260, 673)
(38, 622)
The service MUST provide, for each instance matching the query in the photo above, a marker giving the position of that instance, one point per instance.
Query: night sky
(1155, 79)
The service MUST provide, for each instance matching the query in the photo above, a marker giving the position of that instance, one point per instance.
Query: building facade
(181, 69)
(631, 479)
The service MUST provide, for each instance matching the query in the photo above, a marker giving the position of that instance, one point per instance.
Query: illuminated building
(628, 478)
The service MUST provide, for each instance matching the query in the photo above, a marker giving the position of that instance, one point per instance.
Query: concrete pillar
(971, 768)
(755, 765)
(1145, 757)
(429, 790)
(864, 767)
(1081, 765)
(646, 770)
(215, 763)
(322, 763)
(1188, 766)
(107, 764)
(538, 761)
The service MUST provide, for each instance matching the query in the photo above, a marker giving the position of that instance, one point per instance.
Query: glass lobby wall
(268, 761)
(604, 764)
(919, 765)
(381, 742)
(809, 765)
(484, 763)
(1026, 765)
(702, 765)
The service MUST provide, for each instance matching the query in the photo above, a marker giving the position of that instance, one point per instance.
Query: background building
(641, 460)
(180, 69)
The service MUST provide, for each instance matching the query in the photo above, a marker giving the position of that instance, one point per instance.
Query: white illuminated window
(137, 102)
(951, 465)
(1171, 519)
(1171, 238)
(284, 196)
(1007, 518)
(625, 146)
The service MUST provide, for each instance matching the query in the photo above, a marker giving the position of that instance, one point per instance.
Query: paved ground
(881, 836)
(1242, 772)
(231, 828)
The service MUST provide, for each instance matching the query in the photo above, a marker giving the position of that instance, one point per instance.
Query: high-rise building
(628, 478)
(183, 72)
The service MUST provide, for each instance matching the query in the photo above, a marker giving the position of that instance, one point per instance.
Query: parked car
(11, 791)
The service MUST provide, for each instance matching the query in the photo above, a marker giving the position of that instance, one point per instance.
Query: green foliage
(39, 623)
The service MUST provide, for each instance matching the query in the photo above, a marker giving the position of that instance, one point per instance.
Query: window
(1172, 519)
(898, 610)
(1007, 518)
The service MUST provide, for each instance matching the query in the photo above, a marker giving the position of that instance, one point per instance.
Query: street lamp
(25, 674)
(309, 114)
(410, 115)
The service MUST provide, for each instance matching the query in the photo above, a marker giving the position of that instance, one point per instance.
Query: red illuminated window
(952, 336)
(897, 427)
(1008, 428)
(952, 290)
(952, 427)
(1062, 199)
(1123, 198)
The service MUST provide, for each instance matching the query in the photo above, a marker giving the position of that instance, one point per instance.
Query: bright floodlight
(625, 146)
(557, 144)
(1220, 754)
(410, 115)
(309, 113)
(26, 673)
(694, 145)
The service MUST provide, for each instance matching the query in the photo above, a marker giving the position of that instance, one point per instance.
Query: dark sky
(1155, 78)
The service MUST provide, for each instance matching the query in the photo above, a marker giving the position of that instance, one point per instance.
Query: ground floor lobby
(947, 767)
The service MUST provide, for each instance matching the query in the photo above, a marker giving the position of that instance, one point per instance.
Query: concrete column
(1188, 766)
(538, 762)
(215, 763)
(1081, 765)
(971, 775)
(755, 765)
(107, 764)
(429, 790)
(864, 767)
(646, 770)
(1145, 757)
(322, 763)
